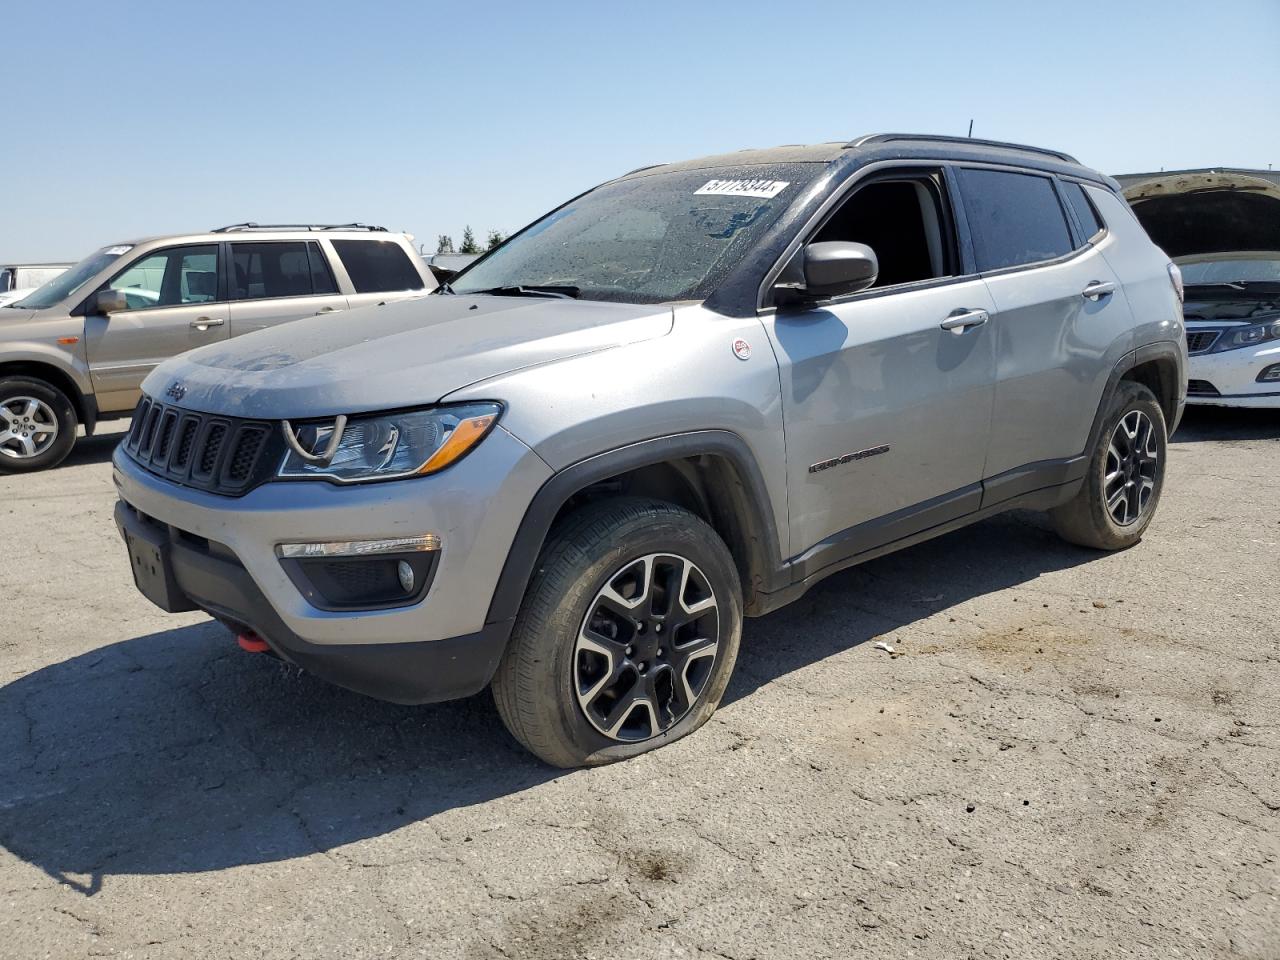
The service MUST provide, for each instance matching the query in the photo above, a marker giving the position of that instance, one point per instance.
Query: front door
(175, 305)
(887, 394)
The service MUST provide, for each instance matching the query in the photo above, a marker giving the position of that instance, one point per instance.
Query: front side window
(170, 278)
(377, 266)
(903, 221)
(1014, 218)
(653, 238)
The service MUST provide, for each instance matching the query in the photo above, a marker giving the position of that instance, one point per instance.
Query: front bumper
(223, 559)
(1234, 375)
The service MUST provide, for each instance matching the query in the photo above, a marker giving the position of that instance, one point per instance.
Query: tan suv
(75, 351)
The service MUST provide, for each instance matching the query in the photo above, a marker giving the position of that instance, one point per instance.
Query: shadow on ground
(95, 449)
(1224, 423)
(175, 752)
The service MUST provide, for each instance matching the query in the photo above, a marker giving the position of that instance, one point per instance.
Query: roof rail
(250, 226)
(938, 138)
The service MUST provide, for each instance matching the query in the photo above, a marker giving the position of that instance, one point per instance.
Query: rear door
(886, 410)
(177, 302)
(276, 281)
(379, 271)
(1060, 317)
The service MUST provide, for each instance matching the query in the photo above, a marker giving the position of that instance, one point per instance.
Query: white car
(12, 296)
(1222, 229)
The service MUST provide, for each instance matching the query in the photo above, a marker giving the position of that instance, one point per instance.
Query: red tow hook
(250, 642)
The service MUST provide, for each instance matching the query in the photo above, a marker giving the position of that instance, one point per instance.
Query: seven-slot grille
(1198, 341)
(224, 455)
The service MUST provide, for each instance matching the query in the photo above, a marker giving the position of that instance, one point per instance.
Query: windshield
(660, 237)
(1232, 271)
(63, 285)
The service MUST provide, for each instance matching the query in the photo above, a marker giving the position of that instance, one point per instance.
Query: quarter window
(375, 266)
(276, 269)
(1014, 218)
(170, 278)
(1083, 209)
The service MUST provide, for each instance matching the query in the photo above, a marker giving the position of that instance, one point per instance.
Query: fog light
(362, 574)
(1270, 374)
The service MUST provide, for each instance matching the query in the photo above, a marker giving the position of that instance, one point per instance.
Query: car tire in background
(1125, 475)
(626, 637)
(37, 425)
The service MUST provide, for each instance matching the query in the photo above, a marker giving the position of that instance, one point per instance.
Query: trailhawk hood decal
(1190, 215)
(405, 354)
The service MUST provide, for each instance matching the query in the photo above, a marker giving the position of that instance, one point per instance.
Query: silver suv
(681, 398)
(76, 350)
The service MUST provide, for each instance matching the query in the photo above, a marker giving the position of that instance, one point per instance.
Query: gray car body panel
(579, 380)
(474, 508)
(399, 355)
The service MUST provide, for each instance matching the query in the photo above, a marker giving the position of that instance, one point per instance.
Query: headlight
(386, 446)
(1247, 336)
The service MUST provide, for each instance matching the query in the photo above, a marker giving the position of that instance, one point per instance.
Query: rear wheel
(37, 425)
(1125, 476)
(627, 635)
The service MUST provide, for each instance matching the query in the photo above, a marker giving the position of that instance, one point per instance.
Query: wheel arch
(1157, 366)
(711, 473)
(84, 405)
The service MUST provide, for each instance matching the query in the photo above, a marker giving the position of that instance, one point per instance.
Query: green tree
(469, 244)
(495, 238)
(444, 243)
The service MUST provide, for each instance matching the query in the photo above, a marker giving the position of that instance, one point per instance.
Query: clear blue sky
(131, 118)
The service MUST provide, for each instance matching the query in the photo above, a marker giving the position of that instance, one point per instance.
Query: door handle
(325, 310)
(1098, 289)
(204, 323)
(962, 320)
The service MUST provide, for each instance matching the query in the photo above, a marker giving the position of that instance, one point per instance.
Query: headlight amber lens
(391, 445)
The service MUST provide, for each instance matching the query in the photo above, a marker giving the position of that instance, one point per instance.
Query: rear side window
(264, 271)
(377, 265)
(1014, 218)
(1083, 209)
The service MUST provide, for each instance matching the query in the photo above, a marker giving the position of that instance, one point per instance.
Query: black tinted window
(269, 270)
(1014, 218)
(377, 265)
(1083, 209)
(321, 276)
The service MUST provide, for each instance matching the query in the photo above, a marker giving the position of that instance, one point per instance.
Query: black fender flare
(765, 560)
(1159, 350)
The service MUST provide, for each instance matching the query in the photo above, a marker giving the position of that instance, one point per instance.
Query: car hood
(403, 354)
(1195, 214)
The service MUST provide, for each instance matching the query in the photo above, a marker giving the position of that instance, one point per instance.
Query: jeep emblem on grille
(177, 390)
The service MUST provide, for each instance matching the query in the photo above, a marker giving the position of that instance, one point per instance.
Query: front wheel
(37, 425)
(627, 635)
(1125, 475)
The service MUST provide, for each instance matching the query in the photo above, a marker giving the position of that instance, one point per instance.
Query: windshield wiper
(562, 291)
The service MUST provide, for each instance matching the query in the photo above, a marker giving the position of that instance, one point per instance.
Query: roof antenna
(971, 126)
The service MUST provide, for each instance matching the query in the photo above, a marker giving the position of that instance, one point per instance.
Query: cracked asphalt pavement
(1068, 755)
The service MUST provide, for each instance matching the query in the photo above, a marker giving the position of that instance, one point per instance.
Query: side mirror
(838, 267)
(108, 301)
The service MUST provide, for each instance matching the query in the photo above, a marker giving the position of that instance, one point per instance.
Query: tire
(559, 683)
(37, 406)
(1135, 474)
